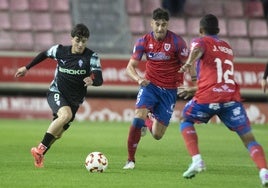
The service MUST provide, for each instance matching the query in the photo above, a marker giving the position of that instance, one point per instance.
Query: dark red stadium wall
(104, 109)
(247, 74)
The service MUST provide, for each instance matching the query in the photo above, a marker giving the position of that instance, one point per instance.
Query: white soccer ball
(96, 162)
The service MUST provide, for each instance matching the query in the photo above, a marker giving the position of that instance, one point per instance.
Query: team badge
(80, 63)
(167, 46)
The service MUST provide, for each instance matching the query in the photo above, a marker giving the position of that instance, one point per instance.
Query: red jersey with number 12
(164, 59)
(215, 72)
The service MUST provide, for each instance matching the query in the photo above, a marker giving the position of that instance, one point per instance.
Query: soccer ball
(96, 162)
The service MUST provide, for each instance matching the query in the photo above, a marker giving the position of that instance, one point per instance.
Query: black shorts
(56, 101)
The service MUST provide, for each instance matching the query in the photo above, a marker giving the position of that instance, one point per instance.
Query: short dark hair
(210, 24)
(160, 14)
(80, 30)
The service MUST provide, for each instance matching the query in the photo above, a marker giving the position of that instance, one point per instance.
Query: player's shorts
(232, 114)
(56, 100)
(159, 101)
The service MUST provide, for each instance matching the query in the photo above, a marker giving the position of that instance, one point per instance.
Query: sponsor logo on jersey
(72, 71)
(158, 56)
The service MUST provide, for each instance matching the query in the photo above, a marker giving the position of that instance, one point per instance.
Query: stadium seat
(39, 5)
(60, 6)
(148, 24)
(223, 27)
(43, 41)
(133, 7)
(61, 22)
(241, 47)
(254, 9)
(18, 5)
(136, 24)
(150, 5)
(193, 26)
(6, 40)
(63, 38)
(41, 21)
(4, 5)
(237, 27)
(257, 28)
(24, 41)
(193, 8)
(177, 25)
(259, 47)
(21, 21)
(5, 21)
(213, 7)
(233, 8)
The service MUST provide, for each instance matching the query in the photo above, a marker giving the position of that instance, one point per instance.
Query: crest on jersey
(167, 46)
(80, 63)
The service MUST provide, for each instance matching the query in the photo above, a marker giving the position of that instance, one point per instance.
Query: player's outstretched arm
(264, 85)
(21, 72)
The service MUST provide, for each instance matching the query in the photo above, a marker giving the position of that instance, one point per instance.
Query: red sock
(133, 141)
(190, 140)
(149, 124)
(258, 156)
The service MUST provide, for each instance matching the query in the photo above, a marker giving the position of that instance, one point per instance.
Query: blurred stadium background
(30, 26)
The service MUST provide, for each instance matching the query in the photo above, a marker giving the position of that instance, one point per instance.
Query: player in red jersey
(165, 53)
(211, 64)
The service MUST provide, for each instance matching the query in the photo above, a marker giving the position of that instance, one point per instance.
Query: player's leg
(238, 121)
(134, 136)
(145, 100)
(63, 115)
(190, 136)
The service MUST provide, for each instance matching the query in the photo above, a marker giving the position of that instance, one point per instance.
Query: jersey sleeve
(52, 52)
(138, 49)
(95, 63)
(96, 71)
(183, 50)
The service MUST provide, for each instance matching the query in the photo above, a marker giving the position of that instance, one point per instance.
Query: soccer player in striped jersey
(216, 93)
(77, 68)
(165, 53)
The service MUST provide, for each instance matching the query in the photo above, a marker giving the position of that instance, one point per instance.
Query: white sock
(196, 158)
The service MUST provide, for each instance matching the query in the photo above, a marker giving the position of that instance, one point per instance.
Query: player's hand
(143, 82)
(186, 92)
(88, 81)
(186, 67)
(264, 85)
(21, 72)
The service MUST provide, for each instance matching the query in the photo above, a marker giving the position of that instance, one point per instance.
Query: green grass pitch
(158, 163)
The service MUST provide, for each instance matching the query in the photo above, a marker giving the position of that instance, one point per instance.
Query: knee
(157, 136)
(65, 117)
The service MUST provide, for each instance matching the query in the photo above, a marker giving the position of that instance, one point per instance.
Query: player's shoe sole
(129, 165)
(194, 169)
(38, 158)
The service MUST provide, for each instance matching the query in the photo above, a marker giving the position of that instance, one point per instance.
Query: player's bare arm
(21, 72)
(195, 54)
(132, 73)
